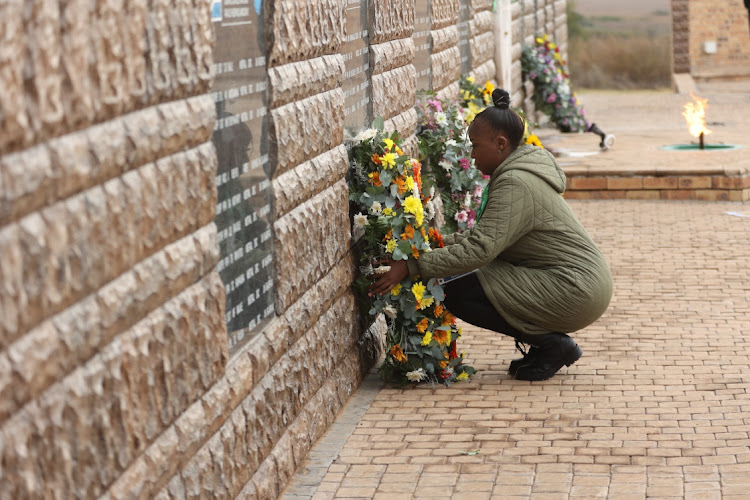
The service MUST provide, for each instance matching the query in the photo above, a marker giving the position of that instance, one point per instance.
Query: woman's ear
(501, 142)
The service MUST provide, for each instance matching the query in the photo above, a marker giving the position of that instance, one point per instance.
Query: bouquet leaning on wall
(392, 221)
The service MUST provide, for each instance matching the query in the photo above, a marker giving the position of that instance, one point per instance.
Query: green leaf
(405, 247)
(378, 123)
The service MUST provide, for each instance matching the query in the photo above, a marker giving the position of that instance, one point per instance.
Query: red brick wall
(725, 23)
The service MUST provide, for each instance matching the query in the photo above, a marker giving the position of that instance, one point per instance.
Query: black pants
(466, 299)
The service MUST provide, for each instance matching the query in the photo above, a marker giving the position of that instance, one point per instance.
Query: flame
(695, 115)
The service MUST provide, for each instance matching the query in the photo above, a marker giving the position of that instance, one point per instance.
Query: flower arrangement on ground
(392, 222)
(545, 67)
(444, 146)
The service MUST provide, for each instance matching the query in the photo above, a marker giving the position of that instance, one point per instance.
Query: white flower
(376, 208)
(366, 134)
(467, 200)
(432, 192)
(415, 191)
(360, 220)
(447, 166)
(390, 311)
(382, 269)
(441, 118)
(462, 216)
(451, 142)
(430, 210)
(417, 375)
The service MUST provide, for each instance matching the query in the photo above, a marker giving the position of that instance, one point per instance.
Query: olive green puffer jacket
(536, 263)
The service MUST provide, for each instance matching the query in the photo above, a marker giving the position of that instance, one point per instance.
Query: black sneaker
(554, 351)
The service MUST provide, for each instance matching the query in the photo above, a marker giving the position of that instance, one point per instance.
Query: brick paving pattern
(657, 407)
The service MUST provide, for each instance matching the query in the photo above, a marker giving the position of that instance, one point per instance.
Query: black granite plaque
(356, 52)
(421, 37)
(243, 178)
(464, 35)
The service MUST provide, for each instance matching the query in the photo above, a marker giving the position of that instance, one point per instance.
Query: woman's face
(488, 148)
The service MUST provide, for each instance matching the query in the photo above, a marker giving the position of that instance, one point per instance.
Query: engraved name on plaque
(244, 188)
(421, 38)
(356, 82)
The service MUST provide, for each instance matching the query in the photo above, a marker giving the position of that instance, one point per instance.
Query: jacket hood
(537, 161)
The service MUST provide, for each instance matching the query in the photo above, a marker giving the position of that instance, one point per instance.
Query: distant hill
(627, 8)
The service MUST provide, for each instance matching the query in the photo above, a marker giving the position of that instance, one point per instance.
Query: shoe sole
(570, 357)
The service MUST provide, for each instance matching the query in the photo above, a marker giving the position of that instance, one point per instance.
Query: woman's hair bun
(501, 98)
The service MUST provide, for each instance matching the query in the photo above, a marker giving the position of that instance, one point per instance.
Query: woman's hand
(384, 282)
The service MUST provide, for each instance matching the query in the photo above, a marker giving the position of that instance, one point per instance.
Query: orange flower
(414, 252)
(398, 354)
(417, 171)
(375, 159)
(439, 310)
(443, 364)
(453, 350)
(422, 325)
(422, 232)
(436, 236)
(399, 150)
(375, 179)
(442, 337)
(448, 318)
(388, 235)
(408, 233)
(401, 183)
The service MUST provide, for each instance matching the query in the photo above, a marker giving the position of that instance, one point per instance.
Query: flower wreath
(392, 221)
(543, 64)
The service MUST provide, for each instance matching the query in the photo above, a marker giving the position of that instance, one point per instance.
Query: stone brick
(303, 29)
(243, 447)
(660, 183)
(483, 22)
(327, 234)
(394, 92)
(39, 176)
(443, 13)
(624, 183)
(582, 183)
(301, 130)
(390, 19)
(444, 68)
(485, 71)
(694, 182)
(84, 255)
(391, 55)
(405, 124)
(443, 39)
(300, 80)
(57, 346)
(108, 410)
(296, 186)
(14, 122)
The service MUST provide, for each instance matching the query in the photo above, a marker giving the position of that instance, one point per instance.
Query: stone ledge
(675, 183)
(300, 80)
(391, 55)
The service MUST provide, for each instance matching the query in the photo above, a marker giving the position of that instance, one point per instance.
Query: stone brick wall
(116, 379)
(695, 22)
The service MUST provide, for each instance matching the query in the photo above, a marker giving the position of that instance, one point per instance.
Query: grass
(616, 52)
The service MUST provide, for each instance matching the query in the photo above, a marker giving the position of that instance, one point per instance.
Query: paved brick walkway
(658, 406)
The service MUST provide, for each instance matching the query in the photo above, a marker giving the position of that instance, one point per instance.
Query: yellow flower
(470, 79)
(471, 113)
(388, 144)
(427, 338)
(418, 289)
(443, 337)
(539, 41)
(388, 160)
(532, 139)
(413, 206)
(387, 211)
(460, 332)
(396, 289)
(426, 302)
(463, 376)
(390, 246)
(410, 182)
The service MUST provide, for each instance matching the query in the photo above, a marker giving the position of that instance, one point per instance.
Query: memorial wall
(176, 318)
